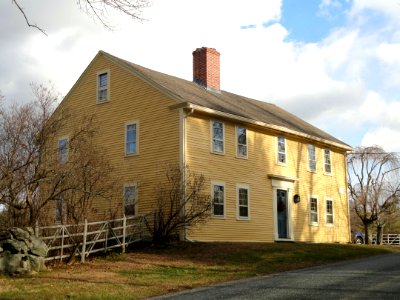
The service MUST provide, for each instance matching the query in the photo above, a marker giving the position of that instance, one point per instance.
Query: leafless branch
(97, 9)
(26, 18)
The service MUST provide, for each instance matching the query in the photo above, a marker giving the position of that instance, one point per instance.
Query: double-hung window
(63, 150)
(281, 146)
(241, 141)
(218, 199)
(130, 199)
(242, 192)
(102, 86)
(217, 133)
(312, 161)
(313, 211)
(131, 142)
(327, 161)
(329, 212)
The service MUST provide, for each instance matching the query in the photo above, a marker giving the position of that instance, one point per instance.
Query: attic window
(102, 86)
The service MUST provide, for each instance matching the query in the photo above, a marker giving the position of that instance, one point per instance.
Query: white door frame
(282, 183)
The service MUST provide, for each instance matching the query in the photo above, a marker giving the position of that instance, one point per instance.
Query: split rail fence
(67, 241)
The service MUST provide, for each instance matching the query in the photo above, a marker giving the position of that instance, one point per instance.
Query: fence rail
(391, 239)
(67, 241)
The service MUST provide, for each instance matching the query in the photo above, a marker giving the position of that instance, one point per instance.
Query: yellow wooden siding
(131, 99)
(254, 172)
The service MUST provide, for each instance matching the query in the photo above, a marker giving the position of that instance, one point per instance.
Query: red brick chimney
(206, 68)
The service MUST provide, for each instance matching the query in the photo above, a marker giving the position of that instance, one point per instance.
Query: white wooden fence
(67, 241)
(391, 239)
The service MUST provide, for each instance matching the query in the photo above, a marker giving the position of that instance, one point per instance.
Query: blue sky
(334, 63)
(309, 21)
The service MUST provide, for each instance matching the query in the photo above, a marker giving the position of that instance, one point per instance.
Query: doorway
(282, 213)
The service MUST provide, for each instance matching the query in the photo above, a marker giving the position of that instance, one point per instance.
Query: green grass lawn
(149, 271)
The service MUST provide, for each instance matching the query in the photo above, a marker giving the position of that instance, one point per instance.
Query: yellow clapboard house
(271, 175)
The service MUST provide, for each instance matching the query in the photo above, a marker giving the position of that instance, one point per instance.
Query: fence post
(123, 233)
(83, 253)
(62, 242)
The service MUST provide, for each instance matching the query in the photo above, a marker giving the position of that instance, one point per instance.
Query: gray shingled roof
(226, 102)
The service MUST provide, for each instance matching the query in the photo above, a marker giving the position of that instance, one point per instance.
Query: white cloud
(387, 138)
(390, 8)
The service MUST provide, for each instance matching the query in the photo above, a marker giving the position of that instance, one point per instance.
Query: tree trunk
(379, 232)
(366, 233)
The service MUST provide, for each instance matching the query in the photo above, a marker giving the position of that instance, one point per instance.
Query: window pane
(102, 89)
(314, 210)
(218, 200)
(103, 80)
(218, 210)
(281, 150)
(63, 150)
(129, 200)
(218, 146)
(243, 211)
(327, 160)
(243, 197)
(131, 139)
(329, 211)
(243, 202)
(329, 219)
(218, 136)
(312, 164)
(241, 141)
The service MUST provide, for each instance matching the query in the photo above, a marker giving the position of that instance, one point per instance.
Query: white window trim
(277, 150)
(98, 101)
(130, 184)
(237, 143)
(65, 137)
(309, 210)
(137, 137)
(212, 137)
(326, 212)
(242, 186)
(308, 158)
(220, 183)
(323, 158)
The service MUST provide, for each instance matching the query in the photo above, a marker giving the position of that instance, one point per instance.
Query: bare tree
(31, 173)
(180, 204)
(98, 10)
(90, 176)
(374, 184)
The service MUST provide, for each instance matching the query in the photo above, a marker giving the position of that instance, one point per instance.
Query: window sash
(102, 86)
(218, 200)
(131, 136)
(281, 150)
(63, 150)
(329, 211)
(327, 161)
(243, 202)
(313, 210)
(312, 161)
(130, 200)
(218, 136)
(241, 141)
